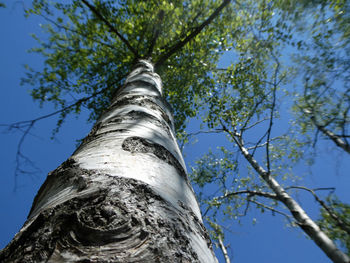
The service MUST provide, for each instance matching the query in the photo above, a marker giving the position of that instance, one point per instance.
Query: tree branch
(197, 133)
(223, 249)
(26, 126)
(191, 36)
(265, 143)
(273, 210)
(250, 193)
(343, 225)
(302, 219)
(156, 32)
(271, 115)
(111, 28)
(335, 138)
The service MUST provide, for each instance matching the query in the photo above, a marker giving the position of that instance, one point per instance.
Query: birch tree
(89, 53)
(123, 195)
(247, 106)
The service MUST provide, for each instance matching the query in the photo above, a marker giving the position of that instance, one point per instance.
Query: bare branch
(197, 133)
(252, 112)
(256, 123)
(265, 143)
(273, 210)
(26, 126)
(250, 193)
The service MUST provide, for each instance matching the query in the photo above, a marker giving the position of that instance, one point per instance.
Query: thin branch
(26, 126)
(343, 225)
(302, 219)
(256, 123)
(197, 133)
(344, 121)
(258, 142)
(21, 124)
(335, 138)
(271, 115)
(273, 210)
(252, 112)
(111, 28)
(191, 36)
(223, 249)
(250, 193)
(67, 29)
(157, 26)
(264, 144)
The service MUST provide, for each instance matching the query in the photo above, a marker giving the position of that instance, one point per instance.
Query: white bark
(130, 175)
(301, 217)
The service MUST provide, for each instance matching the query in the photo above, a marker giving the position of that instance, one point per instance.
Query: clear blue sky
(268, 241)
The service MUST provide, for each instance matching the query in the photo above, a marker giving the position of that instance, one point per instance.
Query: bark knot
(141, 145)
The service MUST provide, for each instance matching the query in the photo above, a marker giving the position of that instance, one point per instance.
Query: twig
(264, 144)
(250, 193)
(273, 210)
(197, 133)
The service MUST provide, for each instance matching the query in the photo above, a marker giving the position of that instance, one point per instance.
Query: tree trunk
(123, 196)
(302, 219)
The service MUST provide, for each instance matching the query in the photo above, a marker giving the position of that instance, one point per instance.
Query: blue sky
(267, 241)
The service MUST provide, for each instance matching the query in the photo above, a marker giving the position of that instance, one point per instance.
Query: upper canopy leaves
(91, 46)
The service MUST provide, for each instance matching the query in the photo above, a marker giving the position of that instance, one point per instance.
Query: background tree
(257, 79)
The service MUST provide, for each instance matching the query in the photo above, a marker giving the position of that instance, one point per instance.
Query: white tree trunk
(301, 217)
(123, 196)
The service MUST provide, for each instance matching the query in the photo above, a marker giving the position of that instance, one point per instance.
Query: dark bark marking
(142, 83)
(132, 115)
(143, 101)
(138, 144)
(139, 115)
(124, 221)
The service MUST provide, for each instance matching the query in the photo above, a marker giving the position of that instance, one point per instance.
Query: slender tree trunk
(301, 217)
(123, 196)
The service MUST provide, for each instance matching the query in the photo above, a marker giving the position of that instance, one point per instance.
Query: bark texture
(123, 196)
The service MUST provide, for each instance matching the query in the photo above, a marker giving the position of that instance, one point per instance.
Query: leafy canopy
(286, 66)
(85, 56)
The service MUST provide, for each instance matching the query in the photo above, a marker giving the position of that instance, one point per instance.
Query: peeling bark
(123, 196)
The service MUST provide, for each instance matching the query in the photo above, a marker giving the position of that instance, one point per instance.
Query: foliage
(247, 104)
(338, 225)
(288, 66)
(324, 101)
(84, 57)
